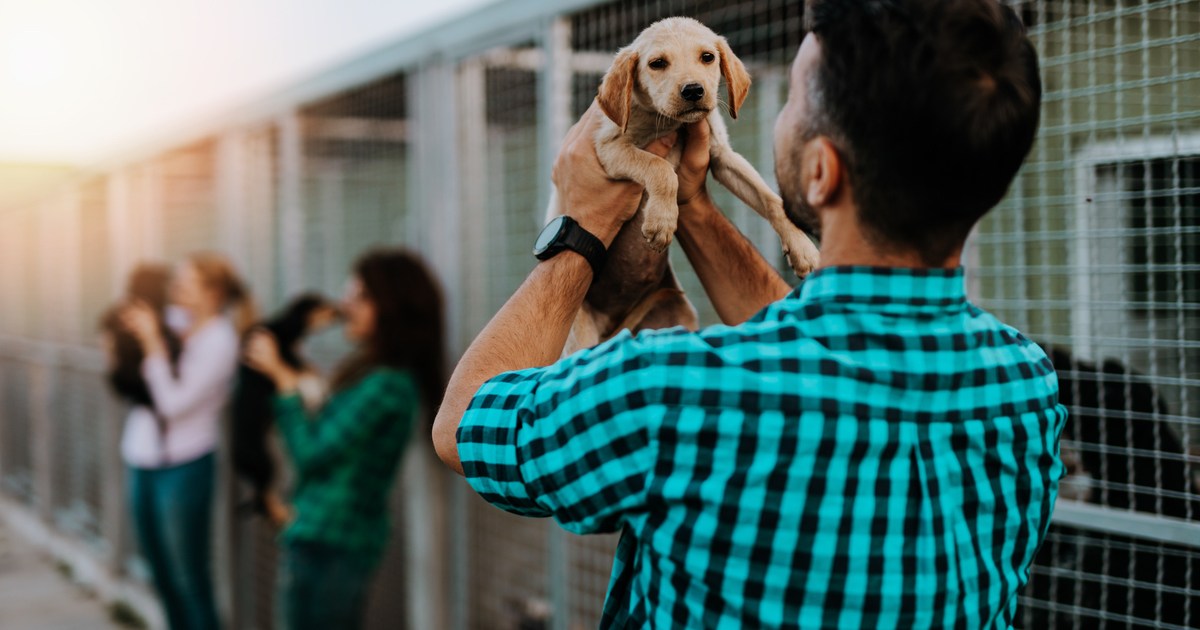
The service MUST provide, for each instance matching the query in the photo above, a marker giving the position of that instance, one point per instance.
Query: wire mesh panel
(188, 199)
(81, 428)
(248, 200)
(95, 255)
(1094, 255)
(17, 438)
(17, 238)
(256, 563)
(499, 139)
(499, 144)
(355, 186)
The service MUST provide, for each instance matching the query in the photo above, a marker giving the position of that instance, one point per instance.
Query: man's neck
(844, 245)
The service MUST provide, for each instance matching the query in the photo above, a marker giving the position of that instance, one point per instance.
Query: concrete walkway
(35, 595)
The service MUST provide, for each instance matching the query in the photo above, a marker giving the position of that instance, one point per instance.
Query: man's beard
(802, 215)
(795, 206)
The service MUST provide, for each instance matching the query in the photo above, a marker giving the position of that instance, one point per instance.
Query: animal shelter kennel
(443, 142)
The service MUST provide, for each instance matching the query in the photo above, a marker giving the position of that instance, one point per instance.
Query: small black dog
(1137, 461)
(251, 411)
(149, 284)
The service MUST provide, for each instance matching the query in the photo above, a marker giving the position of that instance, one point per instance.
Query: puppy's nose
(692, 92)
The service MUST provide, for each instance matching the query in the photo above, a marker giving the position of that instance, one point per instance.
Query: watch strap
(572, 236)
(585, 244)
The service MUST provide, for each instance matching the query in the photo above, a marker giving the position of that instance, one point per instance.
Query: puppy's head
(673, 68)
(304, 315)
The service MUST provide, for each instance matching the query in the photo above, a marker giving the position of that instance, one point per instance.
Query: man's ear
(823, 182)
(616, 91)
(737, 80)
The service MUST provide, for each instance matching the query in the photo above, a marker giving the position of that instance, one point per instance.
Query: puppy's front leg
(622, 160)
(735, 173)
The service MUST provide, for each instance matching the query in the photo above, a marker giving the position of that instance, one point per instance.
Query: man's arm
(529, 331)
(532, 327)
(738, 280)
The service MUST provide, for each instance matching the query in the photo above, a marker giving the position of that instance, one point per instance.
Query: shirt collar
(886, 288)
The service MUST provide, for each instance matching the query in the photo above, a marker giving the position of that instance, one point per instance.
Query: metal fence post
(231, 231)
(290, 236)
(554, 120)
(113, 512)
(232, 181)
(471, 111)
(435, 194)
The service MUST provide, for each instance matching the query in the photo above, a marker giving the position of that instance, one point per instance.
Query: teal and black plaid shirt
(872, 451)
(346, 460)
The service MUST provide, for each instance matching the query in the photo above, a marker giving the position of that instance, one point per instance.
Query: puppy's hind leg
(735, 173)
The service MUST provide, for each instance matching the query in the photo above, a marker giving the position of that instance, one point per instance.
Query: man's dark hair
(933, 105)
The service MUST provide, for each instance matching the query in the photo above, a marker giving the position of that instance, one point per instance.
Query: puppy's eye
(708, 57)
(658, 64)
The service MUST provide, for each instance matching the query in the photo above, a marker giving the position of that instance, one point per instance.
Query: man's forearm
(529, 331)
(738, 280)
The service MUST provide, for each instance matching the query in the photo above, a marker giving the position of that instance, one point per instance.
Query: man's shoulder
(1004, 335)
(1016, 360)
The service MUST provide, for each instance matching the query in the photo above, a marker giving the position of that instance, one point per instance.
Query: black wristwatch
(563, 233)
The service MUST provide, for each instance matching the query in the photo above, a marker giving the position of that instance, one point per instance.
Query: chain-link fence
(444, 143)
(1095, 255)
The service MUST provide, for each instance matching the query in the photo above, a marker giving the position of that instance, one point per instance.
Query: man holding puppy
(869, 450)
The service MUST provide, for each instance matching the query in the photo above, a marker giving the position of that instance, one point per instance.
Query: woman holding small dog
(169, 447)
(346, 456)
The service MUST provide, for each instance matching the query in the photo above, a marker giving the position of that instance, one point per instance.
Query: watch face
(548, 235)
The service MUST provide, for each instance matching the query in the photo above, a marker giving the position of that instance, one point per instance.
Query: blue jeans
(323, 587)
(172, 516)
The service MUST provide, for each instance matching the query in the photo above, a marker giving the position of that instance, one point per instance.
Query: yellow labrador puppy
(669, 76)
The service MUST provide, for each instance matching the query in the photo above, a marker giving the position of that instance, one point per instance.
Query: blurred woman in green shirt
(346, 456)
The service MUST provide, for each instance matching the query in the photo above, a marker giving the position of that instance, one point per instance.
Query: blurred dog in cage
(1122, 454)
(668, 77)
(251, 411)
(148, 284)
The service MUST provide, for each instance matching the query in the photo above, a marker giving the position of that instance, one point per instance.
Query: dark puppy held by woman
(251, 410)
(346, 454)
(148, 284)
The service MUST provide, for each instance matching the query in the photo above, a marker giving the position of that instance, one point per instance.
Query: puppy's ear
(737, 80)
(616, 91)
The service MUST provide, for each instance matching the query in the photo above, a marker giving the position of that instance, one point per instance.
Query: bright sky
(81, 79)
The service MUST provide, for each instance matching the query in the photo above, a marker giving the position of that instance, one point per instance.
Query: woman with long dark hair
(346, 457)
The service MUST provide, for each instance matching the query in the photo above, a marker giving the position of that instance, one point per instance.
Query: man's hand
(693, 167)
(586, 193)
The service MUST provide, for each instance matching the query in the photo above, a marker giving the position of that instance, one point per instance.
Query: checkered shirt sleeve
(562, 441)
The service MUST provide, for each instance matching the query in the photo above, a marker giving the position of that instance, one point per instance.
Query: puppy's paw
(658, 227)
(801, 254)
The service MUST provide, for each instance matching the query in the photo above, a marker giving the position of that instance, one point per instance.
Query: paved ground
(35, 595)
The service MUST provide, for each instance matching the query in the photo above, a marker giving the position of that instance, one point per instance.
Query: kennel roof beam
(489, 27)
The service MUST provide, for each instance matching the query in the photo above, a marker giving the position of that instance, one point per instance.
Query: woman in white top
(170, 447)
